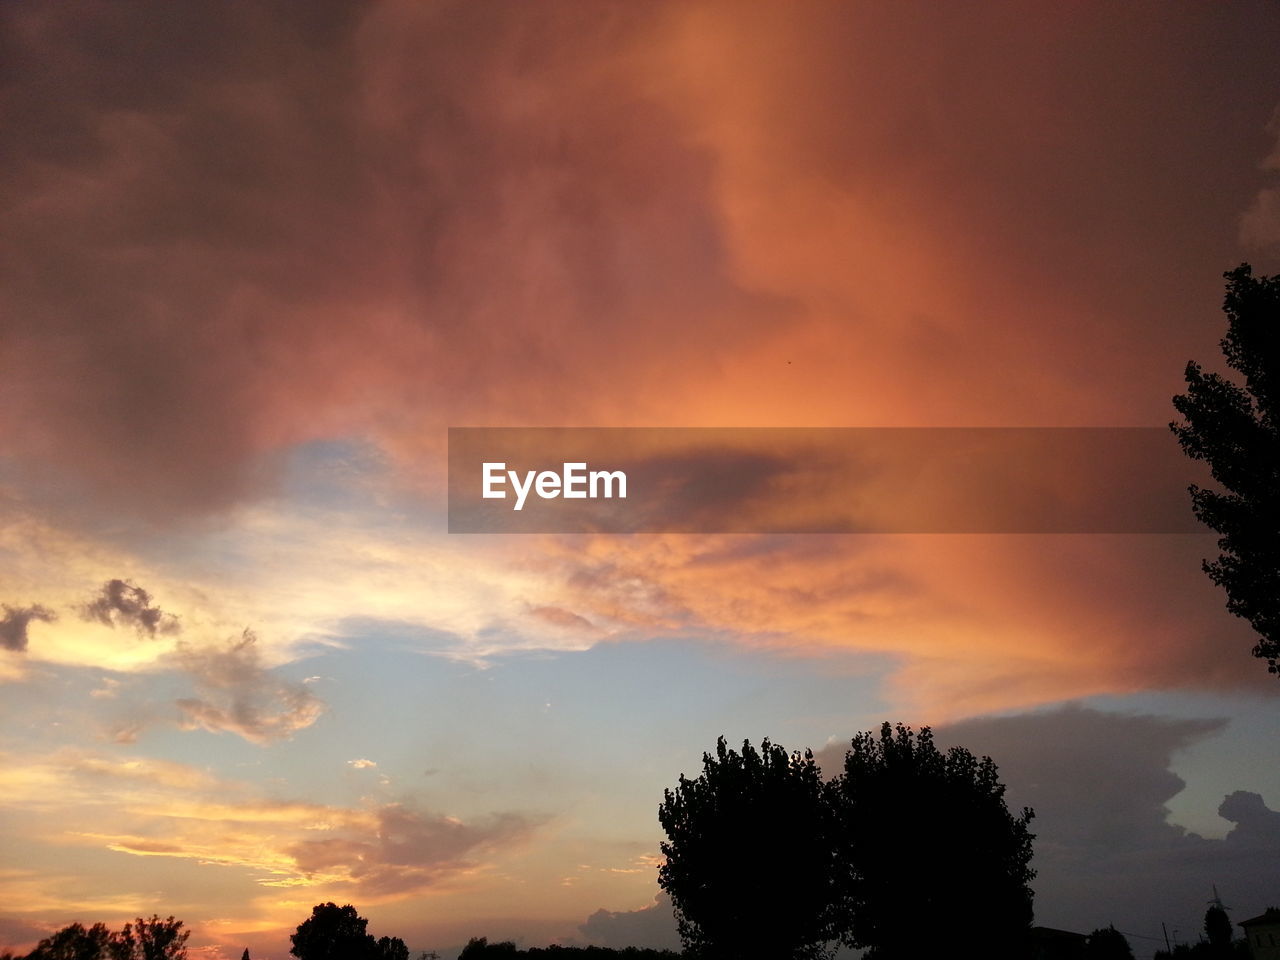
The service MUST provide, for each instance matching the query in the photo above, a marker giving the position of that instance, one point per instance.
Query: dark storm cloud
(123, 603)
(236, 228)
(14, 623)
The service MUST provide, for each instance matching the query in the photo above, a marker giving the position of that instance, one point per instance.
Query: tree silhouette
(391, 948)
(749, 863)
(152, 939)
(1107, 943)
(338, 933)
(926, 841)
(479, 948)
(75, 942)
(1236, 431)
(1218, 931)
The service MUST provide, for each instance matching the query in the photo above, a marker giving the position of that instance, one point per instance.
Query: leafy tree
(152, 939)
(749, 858)
(1107, 943)
(338, 933)
(1218, 930)
(1236, 431)
(332, 933)
(479, 948)
(927, 842)
(390, 948)
(74, 942)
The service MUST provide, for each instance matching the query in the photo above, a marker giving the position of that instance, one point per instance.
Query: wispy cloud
(149, 808)
(240, 695)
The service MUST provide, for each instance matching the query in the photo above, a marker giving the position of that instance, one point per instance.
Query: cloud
(225, 283)
(1260, 223)
(407, 850)
(973, 623)
(362, 764)
(652, 926)
(239, 695)
(155, 808)
(560, 617)
(13, 626)
(122, 603)
(202, 281)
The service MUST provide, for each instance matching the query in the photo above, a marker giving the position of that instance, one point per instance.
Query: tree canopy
(926, 841)
(338, 933)
(1235, 429)
(143, 939)
(749, 863)
(1107, 943)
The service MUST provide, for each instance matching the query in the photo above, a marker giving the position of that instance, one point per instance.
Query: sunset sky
(258, 257)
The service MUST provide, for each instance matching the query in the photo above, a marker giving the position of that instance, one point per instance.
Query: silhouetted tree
(1236, 431)
(152, 939)
(75, 942)
(926, 840)
(333, 933)
(479, 948)
(1218, 931)
(390, 948)
(245, 955)
(749, 862)
(1107, 943)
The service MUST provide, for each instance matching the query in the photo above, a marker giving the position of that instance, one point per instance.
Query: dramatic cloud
(122, 603)
(240, 695)
(974, 623)
(241, 236)
(13, 626)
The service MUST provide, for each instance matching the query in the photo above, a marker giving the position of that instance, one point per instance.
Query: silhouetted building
(1263, 934)
(1050, 944)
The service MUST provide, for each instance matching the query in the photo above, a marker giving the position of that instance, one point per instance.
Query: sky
(259, 257)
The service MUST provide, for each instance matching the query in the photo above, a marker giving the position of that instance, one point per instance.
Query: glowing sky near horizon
(259, 257)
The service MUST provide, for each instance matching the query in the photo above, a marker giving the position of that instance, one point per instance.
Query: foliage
(152, 939)
(749, 860)
(1236, 431)
(1108, 943)
(479, 948)
(1218, 929)
(155, 939)
(338, 933)
(75, 942)
(390, 948)
(926, 841)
